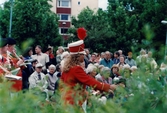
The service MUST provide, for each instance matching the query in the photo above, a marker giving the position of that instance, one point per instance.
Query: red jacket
(16, 84)
(76, 76)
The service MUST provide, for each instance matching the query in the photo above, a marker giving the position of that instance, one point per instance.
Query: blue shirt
(106, 63)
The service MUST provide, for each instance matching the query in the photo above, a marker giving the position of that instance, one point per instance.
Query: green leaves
(143, 91)
(32, 19)
(118, 28)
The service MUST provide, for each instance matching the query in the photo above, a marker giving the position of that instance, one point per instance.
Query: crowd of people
(93, 73)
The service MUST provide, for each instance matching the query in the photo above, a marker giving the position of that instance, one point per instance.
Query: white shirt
(42, 58)
(35, 82)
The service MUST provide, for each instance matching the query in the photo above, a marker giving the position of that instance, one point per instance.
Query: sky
(103, 4)
(2, 1)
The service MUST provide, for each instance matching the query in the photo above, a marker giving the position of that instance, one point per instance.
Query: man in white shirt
(38, 79)
(42, 58)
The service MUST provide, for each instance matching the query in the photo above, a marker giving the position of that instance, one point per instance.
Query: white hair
(66, 53)
(90, 68)
(120, 51)
(61, 47)
(52, 66)
(104, 69)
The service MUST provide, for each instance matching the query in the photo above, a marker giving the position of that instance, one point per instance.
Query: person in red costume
(15, 63)
(3, 60)
(74, 79)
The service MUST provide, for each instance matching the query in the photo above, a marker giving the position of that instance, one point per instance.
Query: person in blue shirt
(116, 57)
(107, 62)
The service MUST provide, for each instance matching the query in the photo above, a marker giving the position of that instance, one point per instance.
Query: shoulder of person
(55, 74)
(111, 60)
(42, 74)
(32, 56)
(76, 68)
(118, 64)
(47, 74)
(102, 60)
(33, 74)
(133, 60)
(44, 54)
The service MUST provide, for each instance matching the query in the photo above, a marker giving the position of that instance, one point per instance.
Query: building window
(79, 3)
(64, 17)
(63, 30)
(64, 3)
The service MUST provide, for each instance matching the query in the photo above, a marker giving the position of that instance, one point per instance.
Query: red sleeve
(82, 77)
(51, 56)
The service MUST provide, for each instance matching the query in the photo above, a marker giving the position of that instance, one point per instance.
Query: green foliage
(125, 26)
(143, 93)
(96, 24)
(121, 28)
(31, 19)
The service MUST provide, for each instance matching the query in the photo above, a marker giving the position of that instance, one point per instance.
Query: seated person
(114, 71)
(38, 81)
(52, 79)
(105, 76)
(91, 70)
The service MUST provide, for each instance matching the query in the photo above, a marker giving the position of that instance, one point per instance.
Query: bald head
(107, 55)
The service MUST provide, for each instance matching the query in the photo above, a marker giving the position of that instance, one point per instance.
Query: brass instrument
(23, 64)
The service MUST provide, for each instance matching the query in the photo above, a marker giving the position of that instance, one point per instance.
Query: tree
(125, 25)
(146, 17)
(97, 26)
(4, 19)
(153, 12)
(32, 19)
(109, 30)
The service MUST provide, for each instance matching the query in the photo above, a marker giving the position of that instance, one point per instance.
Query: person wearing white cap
(74, 75)
(38, 80)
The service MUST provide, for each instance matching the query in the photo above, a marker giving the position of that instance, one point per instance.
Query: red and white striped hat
(77, 47)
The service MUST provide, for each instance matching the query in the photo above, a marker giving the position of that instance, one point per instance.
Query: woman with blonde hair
(74, 79)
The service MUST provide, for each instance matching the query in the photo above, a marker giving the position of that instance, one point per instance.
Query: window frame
(60, 4)
(60, 17)
(61, 28)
